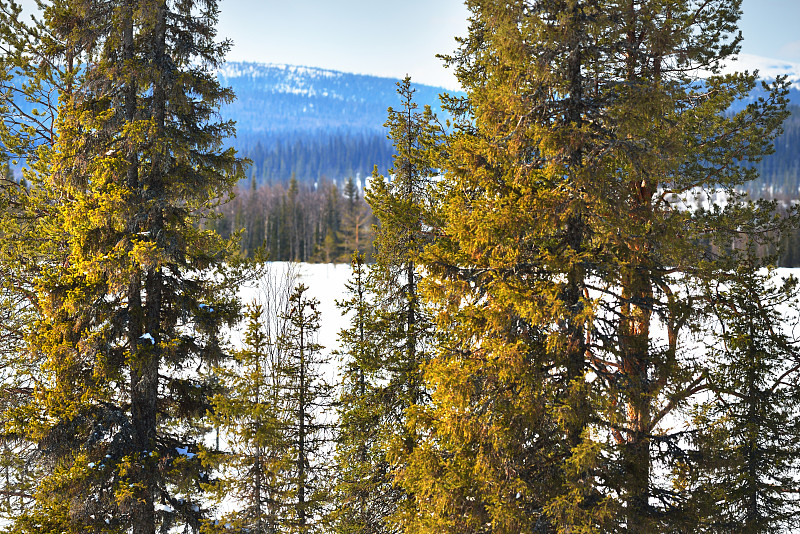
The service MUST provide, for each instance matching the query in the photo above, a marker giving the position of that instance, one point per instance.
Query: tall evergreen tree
(509, 270)
(136, 160)
(675, 145)
(584, 133)
(402, 205)
(386, 345)
(306, 396)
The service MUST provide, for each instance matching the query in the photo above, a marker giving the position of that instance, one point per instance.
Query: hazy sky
(387, 38)
(771, 28)
(392, 38)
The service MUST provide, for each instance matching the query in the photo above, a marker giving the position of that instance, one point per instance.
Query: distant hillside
(323, 123)
(779, 173)
(312, 122)
(279, 98)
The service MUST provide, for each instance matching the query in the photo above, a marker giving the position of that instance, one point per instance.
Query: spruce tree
(387, 343)
(272, 412)
(332, 222)
(21, 250)
(249, 413)
(251, 416)
(356, 219)
(126, 308)
(748, 435)
(306, 396)
(363, 496)
(402, 204)
(508, 275)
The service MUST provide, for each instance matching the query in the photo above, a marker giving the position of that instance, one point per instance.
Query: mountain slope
(316, 122)
(278, 98)
(312, 122)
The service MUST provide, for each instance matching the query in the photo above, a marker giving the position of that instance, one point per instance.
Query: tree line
(325, 223)
(298, 221)
(312, 156)
(570, 322)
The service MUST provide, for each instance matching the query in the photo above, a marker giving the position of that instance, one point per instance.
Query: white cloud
(768, 68)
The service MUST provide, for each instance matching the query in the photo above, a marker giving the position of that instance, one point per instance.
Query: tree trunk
(634, 345)
(146, 394)
(301, 439)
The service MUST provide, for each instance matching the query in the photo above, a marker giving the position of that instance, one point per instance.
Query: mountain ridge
(314, 122)
(274, 98)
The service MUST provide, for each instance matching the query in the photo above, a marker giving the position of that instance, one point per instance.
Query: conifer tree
(748, 434)
(584, 129)
(251, 423)
(20, 370)
(386, 344)
(676, 145)
(508, 275)
(306, 396)
(402, 204)
(252, 417)
(363, 496)
(292, 218)
(331, 238)
(249, 413)
(27, 108)
(356, 219)
(136, 161)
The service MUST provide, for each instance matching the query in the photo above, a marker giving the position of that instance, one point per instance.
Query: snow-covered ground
(326, 283)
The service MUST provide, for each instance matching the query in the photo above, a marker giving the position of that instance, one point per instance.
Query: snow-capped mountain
(768, 68)
(272, 98)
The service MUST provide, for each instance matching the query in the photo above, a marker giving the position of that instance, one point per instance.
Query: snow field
(326, 283)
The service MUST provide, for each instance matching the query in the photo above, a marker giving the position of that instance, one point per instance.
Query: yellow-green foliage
(563, 223)
(120, 278)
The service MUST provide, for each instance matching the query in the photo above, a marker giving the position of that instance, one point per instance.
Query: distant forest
(299, 221)
(326, 222)
(311, 156)
(780, 172)
(303, 199)
(337, 155)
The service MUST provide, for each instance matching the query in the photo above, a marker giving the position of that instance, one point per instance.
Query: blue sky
(771, 28)
(381, 37)
(394, 38)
